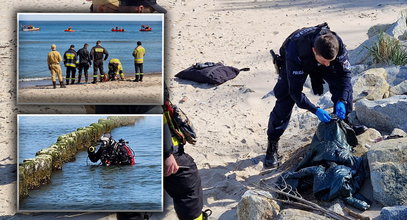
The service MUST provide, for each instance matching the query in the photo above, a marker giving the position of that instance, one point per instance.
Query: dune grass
(388, 50)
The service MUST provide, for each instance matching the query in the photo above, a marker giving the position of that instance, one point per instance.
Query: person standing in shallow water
(54, 58)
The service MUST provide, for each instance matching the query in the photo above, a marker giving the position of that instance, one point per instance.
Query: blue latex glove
(323, 115)
(340, 110)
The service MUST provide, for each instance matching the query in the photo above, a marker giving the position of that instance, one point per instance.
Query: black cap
(151, 3)
(72, 46)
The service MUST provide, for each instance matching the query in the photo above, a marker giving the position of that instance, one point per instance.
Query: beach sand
(150, 91)
(230, 119)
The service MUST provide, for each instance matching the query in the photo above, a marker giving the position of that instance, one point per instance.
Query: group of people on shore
(83, 59)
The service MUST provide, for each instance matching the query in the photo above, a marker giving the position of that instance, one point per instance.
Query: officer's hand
(170, 166)
(340, 110)
(323, 115)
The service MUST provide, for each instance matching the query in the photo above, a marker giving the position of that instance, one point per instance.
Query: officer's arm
(65, 58)
(106, 54)
(296, 79)
(92, 51)
(49, 62)
(345, 74)
(59, 57)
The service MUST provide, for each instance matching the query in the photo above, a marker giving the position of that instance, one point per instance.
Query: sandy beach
(119, 92)
(230, 119)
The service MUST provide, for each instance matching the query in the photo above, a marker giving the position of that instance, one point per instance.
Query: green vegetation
(388, 50)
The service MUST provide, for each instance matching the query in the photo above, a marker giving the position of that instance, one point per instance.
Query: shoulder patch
(346, 65)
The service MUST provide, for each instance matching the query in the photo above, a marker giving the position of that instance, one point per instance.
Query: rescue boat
(118, 30)
(67, 30)
(31, 29)
(146, 29)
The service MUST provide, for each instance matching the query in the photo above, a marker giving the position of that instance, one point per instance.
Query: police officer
(181, 178)
(321, 54)
(96, 54)
(54, 58)
(71, 62)
(138, 54)
(84, 62)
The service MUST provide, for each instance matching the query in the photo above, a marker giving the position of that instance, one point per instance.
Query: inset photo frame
(90, 163)
(90, 59)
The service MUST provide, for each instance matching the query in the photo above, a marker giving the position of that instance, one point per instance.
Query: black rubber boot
(54, 84)
(67, 82)
(137, 78)
(73, 82)
(271, 159)
(62, 85)
(79, 78)
(141, 78)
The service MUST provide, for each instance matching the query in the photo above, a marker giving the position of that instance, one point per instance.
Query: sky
(88, 17)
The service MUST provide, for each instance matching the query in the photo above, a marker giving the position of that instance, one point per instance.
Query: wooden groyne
(37, 171)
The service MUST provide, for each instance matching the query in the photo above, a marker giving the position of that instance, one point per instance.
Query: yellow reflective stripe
(200, 217)
(70, 55)
(99, 50)
(95, 75)
(70, 64)
(175, 141)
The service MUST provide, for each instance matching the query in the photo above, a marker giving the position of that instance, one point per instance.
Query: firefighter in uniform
(138, 55)
(54, 58)
(115, 69)
(181, 178)
(71, 62)
(84, 62)
(317, 52)
(98, 54)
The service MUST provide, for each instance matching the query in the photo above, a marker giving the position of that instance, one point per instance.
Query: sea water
(83, 185)
(33, 46)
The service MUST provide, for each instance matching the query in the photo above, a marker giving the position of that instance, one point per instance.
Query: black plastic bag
(210, 73)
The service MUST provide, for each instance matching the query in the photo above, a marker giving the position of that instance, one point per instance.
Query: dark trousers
(139, 68)
(281, 113)
(98, 65)
(185, 188)
(70, 70)
(84, 67)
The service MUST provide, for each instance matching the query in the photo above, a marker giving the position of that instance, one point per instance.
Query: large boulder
(400, 89)
(298, 214)
(368, 137)
(383, 115)
(388, 171)
(396, 74)
(394, 213)
(257, 205)
(399, 29)
(371, 85)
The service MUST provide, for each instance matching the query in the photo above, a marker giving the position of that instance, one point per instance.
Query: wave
(34, 79)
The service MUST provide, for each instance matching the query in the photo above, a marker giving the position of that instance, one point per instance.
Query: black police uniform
(185, 185)
(96, 54)
(84, 63)
(299, 62)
